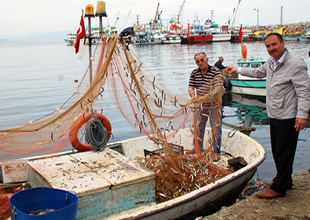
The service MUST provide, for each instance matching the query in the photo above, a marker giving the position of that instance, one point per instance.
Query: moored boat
(112, 185)
(248, 85)
(197, 33)
(306, 37)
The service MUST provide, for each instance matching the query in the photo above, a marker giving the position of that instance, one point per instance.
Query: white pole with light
(257, 11)
(89, 12)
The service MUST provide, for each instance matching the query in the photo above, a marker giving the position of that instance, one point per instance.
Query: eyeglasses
(201, 60)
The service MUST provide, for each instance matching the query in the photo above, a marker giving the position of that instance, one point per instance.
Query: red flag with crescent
(240, 34)
(80, 35)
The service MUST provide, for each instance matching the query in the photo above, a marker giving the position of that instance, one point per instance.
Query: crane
(234, 15)
(177, 18)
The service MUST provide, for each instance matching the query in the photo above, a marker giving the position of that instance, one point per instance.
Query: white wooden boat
(112, 185)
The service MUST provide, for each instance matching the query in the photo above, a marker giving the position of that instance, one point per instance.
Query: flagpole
(89, 12)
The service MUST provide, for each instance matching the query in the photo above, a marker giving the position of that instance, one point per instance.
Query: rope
(96, 135)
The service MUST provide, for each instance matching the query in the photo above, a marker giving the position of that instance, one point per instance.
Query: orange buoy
(244, 52)
(77, 124)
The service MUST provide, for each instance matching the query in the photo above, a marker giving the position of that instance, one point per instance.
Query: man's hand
(300, 123)
(193, 99)
(231, 69)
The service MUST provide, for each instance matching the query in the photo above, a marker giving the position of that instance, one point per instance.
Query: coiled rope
(96, 135)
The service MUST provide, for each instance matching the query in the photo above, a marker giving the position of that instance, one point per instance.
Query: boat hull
(147, 41)
(197, 39)
(221, 37)
(172, 40)
(248, 87)
(197, 204)
(305, 38)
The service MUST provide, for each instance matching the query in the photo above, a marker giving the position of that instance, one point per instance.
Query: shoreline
(295, 205)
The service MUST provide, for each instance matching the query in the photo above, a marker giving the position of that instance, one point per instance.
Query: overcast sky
(20, 17)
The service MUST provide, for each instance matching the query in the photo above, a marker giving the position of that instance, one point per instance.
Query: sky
(21, 17)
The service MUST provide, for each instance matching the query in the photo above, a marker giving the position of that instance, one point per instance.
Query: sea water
(36, 78)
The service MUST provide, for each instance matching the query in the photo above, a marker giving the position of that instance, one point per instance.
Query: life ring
(77, 124)
(244, 52)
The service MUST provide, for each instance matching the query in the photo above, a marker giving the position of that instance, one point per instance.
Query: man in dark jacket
(219, 63)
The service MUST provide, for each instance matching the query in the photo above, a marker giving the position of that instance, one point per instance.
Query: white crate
(14, 171)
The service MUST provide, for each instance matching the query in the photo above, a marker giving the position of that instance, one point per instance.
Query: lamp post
(257, 11)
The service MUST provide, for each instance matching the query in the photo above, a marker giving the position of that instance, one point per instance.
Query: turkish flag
(80, 35)
(240, 34)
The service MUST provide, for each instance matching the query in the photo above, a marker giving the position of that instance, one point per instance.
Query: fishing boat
(153, 34)
(197, 33)
(71, 37)
(112, 185)
(114, 180)
(306, 37)
(247, 85)
(220, 33)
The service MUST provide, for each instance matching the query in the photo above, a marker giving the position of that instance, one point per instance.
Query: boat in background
(296, 39)
(306, 37)
(197, 33)
(247, 85)
(95, 34)
(70, 40)
(220, 33)
(154, 33)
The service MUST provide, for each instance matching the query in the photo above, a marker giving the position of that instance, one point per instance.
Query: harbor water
(36, 78)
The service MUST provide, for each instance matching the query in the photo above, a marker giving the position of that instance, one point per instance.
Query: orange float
(77, 124)
(244, 52)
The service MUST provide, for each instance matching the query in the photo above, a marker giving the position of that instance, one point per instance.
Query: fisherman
(199, 87)
(219, 63)
(288, 103)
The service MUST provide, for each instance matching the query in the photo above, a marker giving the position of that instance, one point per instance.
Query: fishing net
(5, 194)
(50, 133)
(150, 108)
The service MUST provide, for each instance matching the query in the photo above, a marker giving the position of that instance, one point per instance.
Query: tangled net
(189, 174)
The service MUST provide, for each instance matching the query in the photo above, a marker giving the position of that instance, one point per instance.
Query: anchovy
(154, 82)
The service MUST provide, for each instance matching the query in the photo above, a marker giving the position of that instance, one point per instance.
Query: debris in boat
(236, 163)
